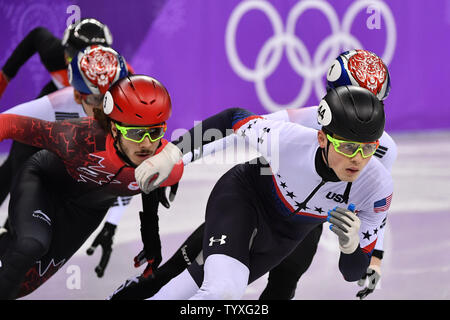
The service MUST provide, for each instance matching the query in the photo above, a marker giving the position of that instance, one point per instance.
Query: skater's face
(346, 168)
(137, 144)
(89, 102)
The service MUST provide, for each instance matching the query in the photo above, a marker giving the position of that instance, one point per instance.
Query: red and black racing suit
(51, 52)
(61, 195)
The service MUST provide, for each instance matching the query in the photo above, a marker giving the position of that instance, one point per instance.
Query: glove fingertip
(351, 207)
(99, 271)
(139, 263)
(159, 180)
(144, 189)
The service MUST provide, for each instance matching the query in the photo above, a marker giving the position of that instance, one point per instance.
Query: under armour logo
(221, 240)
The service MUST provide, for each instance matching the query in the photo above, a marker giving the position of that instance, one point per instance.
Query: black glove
(162, 195)
(373, 275)
(152, 260)
(105, 240)
(151, 253)
(137, 288)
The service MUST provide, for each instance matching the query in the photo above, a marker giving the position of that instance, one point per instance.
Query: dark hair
(102, 119)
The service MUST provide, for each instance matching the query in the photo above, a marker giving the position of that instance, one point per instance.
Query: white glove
(153, 171)
(346, 225)
(373, 275)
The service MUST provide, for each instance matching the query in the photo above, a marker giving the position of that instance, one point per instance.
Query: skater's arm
(151, 252)
(53, 136)
(211, 129)
(43, 42)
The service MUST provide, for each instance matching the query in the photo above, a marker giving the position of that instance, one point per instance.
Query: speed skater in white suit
(357, 67)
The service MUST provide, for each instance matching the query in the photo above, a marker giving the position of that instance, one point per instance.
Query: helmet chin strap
(325, 152)
(118, 146)
(122, 155)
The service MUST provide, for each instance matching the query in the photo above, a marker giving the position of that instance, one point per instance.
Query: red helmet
(138, 100)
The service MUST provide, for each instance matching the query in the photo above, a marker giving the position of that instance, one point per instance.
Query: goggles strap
(118, 146)
(326, 151)
(121, 155)
(146, 134)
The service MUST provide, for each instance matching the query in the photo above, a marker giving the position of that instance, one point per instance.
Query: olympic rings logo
(311, 69)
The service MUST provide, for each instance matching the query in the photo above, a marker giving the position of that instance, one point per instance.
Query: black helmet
(352, 112)
(84, 33)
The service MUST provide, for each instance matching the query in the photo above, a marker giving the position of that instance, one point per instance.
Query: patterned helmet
(95, 69)
(360, 68)
(86, 32)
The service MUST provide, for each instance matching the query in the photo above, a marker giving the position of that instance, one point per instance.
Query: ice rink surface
(417, 238)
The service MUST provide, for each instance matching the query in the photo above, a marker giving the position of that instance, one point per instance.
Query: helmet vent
(153, 101)
(138, 116)
(131, 84)
(118, 107)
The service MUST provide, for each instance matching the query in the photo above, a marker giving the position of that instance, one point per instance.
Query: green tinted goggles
(351, 148)
(138, 134)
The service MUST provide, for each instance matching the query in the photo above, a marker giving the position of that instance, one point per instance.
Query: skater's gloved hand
(152, 260)
(3, 82)
(156, 169)
(345, 224)
(105, 240)
(137, 288)
(372, 275)
(162, 195)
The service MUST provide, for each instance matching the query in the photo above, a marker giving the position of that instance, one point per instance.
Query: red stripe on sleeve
(369, 247)
(240, 123)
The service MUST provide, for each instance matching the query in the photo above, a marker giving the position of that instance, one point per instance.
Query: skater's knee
(225, 279)
(222, 289)
(32, 247)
